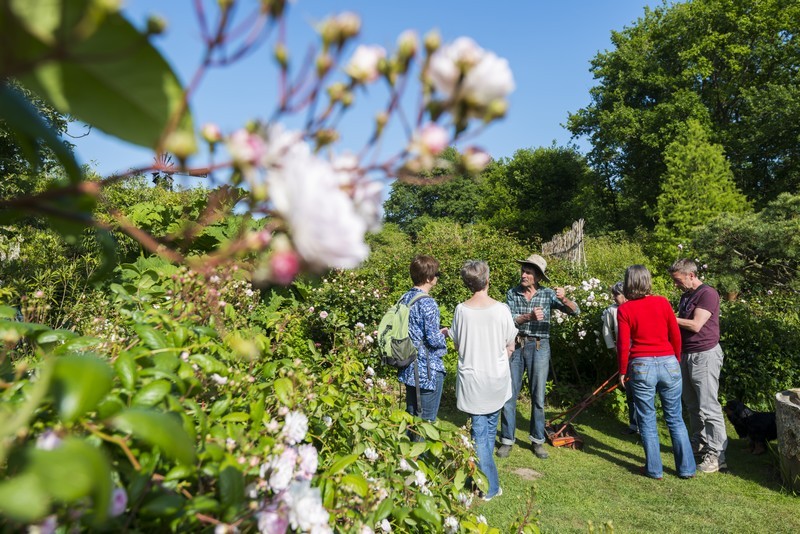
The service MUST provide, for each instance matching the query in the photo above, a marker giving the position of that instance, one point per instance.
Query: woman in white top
(484, 332)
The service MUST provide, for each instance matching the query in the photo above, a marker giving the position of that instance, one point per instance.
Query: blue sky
(549, 45)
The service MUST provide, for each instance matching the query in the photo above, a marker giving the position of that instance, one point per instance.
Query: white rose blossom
(450, 525)
(295, 427)
(363, 66)
(370, 454)
(326, 229)
(306, 512)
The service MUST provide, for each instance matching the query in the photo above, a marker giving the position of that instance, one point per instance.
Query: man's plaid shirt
(544, 298)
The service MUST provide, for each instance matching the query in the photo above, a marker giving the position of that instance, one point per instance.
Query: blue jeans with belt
(535, 361)
(662, 375)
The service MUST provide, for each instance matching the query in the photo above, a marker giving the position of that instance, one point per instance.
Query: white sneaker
(499, 493)
(710, 464)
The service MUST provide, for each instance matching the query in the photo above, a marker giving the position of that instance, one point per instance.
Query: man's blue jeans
(536, 363)
(430, 399)
(662, 375)
(484, 429)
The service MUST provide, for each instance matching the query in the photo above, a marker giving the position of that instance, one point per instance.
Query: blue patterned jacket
(423, 329)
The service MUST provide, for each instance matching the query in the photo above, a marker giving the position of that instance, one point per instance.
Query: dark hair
(683, 265)
(475, 274)
(617, 289)
(637, 282)
(423, 268)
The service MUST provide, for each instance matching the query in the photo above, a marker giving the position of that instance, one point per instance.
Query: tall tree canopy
(456, 198)
(535, 193)
(734, 65)
(697, 187)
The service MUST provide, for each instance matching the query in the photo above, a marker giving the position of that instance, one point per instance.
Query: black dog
(759, 427)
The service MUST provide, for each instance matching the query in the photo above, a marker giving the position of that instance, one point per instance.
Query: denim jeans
(430, 399)
(484, 429)
(661, 375)
(536, 363)
(633, 424)
(700, 389)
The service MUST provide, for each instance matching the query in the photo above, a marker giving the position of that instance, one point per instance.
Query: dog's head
(738, 414)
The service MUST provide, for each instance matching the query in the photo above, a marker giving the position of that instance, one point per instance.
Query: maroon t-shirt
(707, 298)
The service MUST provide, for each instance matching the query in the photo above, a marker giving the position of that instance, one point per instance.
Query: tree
(410, 206)
(535, 193)
(732, 64)
(753, 251)
(697, 186)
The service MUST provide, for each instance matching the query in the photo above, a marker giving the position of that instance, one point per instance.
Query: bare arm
(699, 319)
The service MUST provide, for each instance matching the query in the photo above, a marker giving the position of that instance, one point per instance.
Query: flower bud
(336, 91)
(433, 139)
(180, 143)
(475, 160)
(349, 25)
(381, 119)
(156, 24)
(433, 40)
(496, 110)
(324, 64)
(211, 133)
(326, 136)
(281, 54)
(284, 266)
(328, 29)
(407, 45)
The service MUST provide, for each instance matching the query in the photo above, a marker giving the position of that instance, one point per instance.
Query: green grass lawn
(602, 483)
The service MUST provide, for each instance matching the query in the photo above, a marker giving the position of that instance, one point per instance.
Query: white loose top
(483, 382)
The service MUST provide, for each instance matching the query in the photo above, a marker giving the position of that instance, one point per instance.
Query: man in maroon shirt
(701, 362)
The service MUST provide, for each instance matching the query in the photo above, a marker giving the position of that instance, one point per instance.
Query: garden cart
(559, 430)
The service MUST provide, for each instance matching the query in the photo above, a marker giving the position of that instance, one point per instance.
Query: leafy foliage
(698, 185)
(731, 64)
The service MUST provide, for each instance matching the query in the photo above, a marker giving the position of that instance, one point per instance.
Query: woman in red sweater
(648, 349)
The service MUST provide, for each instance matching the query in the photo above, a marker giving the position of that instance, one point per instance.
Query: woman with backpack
(427, 337)
(484, 333)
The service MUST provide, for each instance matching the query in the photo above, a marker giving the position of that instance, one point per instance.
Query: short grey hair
(475, 274)
(638, 282)
(683, 265)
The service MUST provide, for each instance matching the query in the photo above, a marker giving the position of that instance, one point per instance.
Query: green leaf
(426, 510)
(24, 499)
(164, 505)
(341, 463)
(257, 411)
(384, 509)
(125, 366)
(180, 472)
(429, 431)
(152, 393)
(357, 483)
(78, 344)
(208, 363)
(80, 381)
(74, 470)
(231, 489)
(460, 478)
(151, 337)
(158, 429)
(23, 119)
(284, 389)
(418, 448)
(114, 80)
(236, 417)
(8, 312)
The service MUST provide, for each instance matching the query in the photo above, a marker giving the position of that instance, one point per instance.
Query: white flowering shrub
(190, 425)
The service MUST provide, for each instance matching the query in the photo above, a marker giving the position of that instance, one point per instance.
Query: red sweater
(647, 327)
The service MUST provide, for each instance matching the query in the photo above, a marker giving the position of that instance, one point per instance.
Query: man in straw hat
(531, 306)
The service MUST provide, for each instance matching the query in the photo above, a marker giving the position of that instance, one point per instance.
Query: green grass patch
(602, 484)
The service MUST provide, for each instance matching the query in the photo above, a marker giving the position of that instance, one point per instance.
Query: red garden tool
(559, 430)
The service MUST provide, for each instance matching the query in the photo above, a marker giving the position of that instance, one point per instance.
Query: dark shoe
(685, 477)
(643, 471)
(503, 451)
(628, 431)
(538, 450)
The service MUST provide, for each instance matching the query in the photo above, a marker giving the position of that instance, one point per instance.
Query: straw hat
(538, 262)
